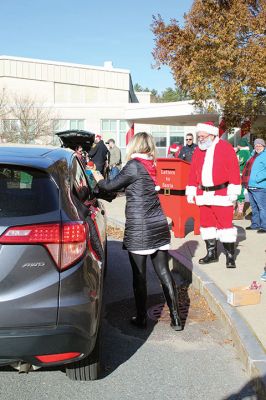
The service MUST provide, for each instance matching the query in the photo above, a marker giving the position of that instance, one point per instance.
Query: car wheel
(87, 369)
(105, 259)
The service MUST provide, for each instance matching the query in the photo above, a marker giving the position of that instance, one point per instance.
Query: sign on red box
(172, 177)
(168, 180)
(172, 173)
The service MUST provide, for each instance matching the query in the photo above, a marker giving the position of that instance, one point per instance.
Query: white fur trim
(206, 174)
(227, 235)
(211, 130)
(191, 190)
(233, 189)
(141, 155)
(209, 199)
(208, 233)
(173, 149)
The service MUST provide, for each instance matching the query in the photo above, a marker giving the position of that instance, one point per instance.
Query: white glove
(190, 199)
(232, 197)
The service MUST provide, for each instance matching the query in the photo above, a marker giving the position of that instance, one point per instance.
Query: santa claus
(214, 184)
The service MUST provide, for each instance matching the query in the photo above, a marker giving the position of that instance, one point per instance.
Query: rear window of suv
(26, 192)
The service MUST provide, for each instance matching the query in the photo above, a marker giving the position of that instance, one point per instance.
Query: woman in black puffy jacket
(146, 229)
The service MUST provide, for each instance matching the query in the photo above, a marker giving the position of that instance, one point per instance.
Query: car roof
(35, 156)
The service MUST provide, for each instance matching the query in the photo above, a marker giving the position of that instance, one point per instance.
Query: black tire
(105, 259)
(87, 369)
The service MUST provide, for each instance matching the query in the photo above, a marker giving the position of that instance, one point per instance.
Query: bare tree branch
(27, 120)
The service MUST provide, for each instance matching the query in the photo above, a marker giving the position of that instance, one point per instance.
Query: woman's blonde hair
(143, 143)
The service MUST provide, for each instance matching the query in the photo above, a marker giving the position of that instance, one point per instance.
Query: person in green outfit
(243, 154)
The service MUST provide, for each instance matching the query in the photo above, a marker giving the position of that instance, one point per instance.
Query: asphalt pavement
(247, 324)
(157, 363)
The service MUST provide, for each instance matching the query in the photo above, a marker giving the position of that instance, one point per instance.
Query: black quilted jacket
(146, 225)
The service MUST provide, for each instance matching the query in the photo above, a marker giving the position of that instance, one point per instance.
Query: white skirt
(151, 251)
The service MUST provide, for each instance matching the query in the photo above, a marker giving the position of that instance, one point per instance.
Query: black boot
(211, 256)
(139, 321)
(138, 264)
(140, 293)
(160, 263)
(230, 255)
(171, 297)
(176, 323)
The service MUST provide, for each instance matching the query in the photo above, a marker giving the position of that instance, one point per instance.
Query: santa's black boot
(211, 256)
(230, 254)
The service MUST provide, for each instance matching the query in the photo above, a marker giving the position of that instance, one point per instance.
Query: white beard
(205, 145)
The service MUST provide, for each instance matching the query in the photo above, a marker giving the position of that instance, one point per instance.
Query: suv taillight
(70, 238)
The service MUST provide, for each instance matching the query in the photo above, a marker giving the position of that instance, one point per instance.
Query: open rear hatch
(73, 138)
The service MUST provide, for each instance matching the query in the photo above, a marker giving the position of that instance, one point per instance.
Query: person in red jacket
(214, 184)
(174, 150)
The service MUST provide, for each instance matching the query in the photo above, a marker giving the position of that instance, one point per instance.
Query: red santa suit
(216, 166)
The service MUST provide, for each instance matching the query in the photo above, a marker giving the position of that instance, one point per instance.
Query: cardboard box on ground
(243, 296)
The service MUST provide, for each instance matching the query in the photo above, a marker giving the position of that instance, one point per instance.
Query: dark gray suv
(52, 257)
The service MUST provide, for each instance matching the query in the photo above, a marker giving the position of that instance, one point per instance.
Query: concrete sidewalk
(247, 324)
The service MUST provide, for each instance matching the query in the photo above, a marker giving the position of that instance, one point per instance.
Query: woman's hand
(97, 176)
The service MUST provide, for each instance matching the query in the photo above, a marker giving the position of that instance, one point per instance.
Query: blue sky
(90, 32)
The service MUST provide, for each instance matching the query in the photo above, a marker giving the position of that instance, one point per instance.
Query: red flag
(129, 134)
(222, 127)
(245, 127)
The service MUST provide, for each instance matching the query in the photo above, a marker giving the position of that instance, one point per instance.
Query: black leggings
(160, 263)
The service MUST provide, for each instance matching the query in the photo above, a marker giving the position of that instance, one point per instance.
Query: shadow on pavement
(120, 339)
(247, 391)
(241, 236)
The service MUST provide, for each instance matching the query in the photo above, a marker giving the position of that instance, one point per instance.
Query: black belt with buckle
(213, 188)
(175, 192)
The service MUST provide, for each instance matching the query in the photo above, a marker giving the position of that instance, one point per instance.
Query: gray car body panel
(38, 301)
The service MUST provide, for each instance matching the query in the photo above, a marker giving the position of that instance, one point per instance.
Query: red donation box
(172, 177)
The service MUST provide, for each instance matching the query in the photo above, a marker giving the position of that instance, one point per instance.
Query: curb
(248, 346)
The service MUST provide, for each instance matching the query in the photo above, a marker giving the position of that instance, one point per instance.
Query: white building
(98, 99)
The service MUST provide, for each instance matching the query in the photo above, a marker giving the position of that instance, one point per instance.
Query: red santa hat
(174, 148)
(98, 137)
(207, 127)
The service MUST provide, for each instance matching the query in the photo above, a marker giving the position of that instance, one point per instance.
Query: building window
(176, 134)
(10, 125)
(24, 130)
(109, 129)
(123, 128)
(66, 124)
(109, 125)
(159, 133)
(10, 130)
(76, 124)
(115, 129)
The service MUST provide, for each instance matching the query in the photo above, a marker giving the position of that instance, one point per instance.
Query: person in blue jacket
(254, 179)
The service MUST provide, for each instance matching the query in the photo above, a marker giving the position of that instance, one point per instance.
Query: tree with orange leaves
(219, 54)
